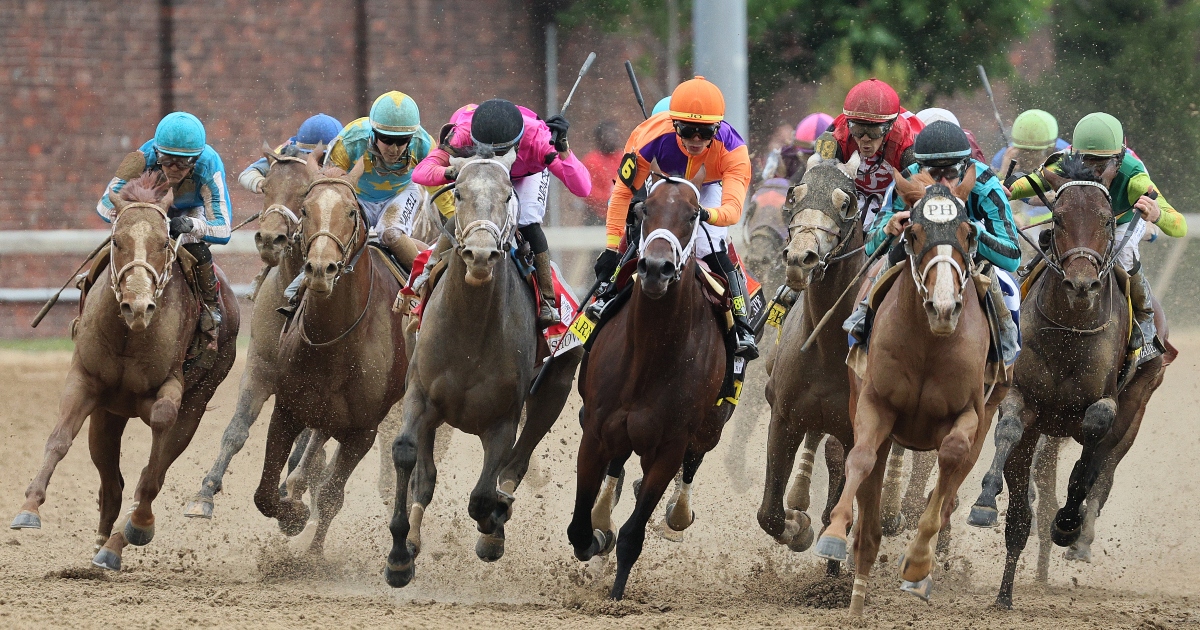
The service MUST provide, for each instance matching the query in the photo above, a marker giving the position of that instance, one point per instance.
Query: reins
(502, 233)
(681, 252)
(161, 278)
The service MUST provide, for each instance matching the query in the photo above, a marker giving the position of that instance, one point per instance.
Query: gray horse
(472, 367)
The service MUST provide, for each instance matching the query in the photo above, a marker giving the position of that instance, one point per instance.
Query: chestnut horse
(130, 346)
(1067, 379)
(923, 385)
(809, 392)
(341, 363)
(651, 381)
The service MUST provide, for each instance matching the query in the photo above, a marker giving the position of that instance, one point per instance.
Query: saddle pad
(389, 262)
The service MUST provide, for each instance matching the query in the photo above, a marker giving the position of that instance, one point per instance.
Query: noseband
(678, 250)
(941, 217)
(502, 233)
(161, 278)
(1103, 262)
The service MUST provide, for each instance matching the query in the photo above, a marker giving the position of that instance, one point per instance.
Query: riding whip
(587, 65)
(995, 110)
(637, 91)
(853, 283)
(54, 299)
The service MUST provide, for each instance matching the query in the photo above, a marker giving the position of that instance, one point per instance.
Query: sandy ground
(237, 570)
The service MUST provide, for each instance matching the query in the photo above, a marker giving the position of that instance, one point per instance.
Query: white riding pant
(532, 192)
(1130, 254)
(711, 238)
(396, 212)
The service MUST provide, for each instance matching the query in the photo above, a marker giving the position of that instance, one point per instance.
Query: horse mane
(1074, 169)
(291, 150)
(148, 187)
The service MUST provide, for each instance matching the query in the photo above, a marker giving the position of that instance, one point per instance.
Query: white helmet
(934, 114)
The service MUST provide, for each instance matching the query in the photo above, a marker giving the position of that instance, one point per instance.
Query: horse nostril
(309, 269)
(468, 256)
(493, 257)
(809, 259)
(668, 268)
(1094, 286)
(126, 309)
(330, 269)
(150, 308)
(279, 241)
(642, 267)
(258, 239)
(957, 308)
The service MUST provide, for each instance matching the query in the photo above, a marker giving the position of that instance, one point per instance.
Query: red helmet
(871, 101)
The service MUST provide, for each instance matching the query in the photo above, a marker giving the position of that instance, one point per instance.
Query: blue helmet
(321, 128)
(179, 133)
(662, 105)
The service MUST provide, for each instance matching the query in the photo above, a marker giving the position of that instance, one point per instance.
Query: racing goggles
(953, 172)
(873, 131)
(393, 141)
(687, 131)
(177, 162)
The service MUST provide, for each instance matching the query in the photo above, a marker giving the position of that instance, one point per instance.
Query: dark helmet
(942, 143)
(497, 124)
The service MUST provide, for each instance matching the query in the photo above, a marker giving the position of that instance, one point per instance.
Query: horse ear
(1053, 179)
(909, 190)
(698, 179)
(1110, 173)
(963, 190)
(313, 162)
(813, 160)
(118, 202)
(850, 168)
(269, 153)
(796, 194)
(167, 199)
(654, 167)
(508, 159)
(355, 172)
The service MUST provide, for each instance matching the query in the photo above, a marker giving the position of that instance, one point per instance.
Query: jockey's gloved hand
(180, 225)
(705, 215)
(606, 264)
(558, 132)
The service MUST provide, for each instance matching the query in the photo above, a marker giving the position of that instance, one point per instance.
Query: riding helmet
(663, 105)
(871, 101)
(497, 123)
(321, 128)
(942, 143)
(697, 101)
(180, 133)
(1034, 129)
(931, 115)
(395, 114)
(1098, 134)
(810, 127)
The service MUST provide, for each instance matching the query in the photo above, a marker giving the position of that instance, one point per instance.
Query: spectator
(602, 163)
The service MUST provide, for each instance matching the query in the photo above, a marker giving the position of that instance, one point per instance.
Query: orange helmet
(697, 101)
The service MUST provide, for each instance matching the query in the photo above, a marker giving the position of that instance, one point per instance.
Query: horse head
(288, 178)
(141, 255)
(670, 220)
(485, 213)
(331, 223)
(1083, 234)
(940, 242)
(822, 210)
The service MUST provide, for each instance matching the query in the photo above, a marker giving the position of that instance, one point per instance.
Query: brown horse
(651, 380)
(472, 369)
(809, 391)
(341, 362)
(287, 182)
(130, 346)
(923, 385)
(1067, 379)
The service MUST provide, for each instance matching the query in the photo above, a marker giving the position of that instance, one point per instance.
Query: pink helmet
(812, 126)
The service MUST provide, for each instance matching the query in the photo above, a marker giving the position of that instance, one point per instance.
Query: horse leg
(872, 427)
(104, 440)
(306, 467)
(584, 533)
(868, 531)
(332, 493)
(400, 560)
(607, 499)
(386, 436)
(835, 463)
(1020, 515)
(1046, 479)
(1097, 421)
(788, 526)
(914, 496)
(893, 519)
(657, 473)
(679, 515)
(489, 505)
(281, 433)
(798, 497)
(78, 401)
(1014, 417)
(423, 482)
(254, 390)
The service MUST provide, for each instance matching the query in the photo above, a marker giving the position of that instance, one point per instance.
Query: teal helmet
(179, 133)
(395, 114)
(661, 106)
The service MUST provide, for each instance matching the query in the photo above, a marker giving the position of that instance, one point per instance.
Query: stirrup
(746, 348)
(547, 315)
(287, 310)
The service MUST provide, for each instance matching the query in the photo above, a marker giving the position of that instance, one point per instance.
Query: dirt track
(237, 570)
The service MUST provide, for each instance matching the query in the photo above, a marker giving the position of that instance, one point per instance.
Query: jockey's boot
(746, 347)
(210, 311)
(402, 246)
(1144, 335)
(547, 312)
(292, 295)
(1009, 333)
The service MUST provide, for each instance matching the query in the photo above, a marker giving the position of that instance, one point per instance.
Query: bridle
(282, 210)
(843, 237)
(678, 250)
(161, 278)
(914, 258)
(502, 233)
(350, 254)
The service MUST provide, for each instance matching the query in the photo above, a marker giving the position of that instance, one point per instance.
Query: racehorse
(765, 230)
(473, 366)
(283, 190)
(651, 381)
(809, 391)
(341, 362)
(1068, 377)
(923, 384)
(130, 346)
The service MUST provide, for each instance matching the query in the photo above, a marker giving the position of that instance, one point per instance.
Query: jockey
(1099, 140)
(789, 162)
(541, 148)
(320, 129)
(1034, 138)
(690, 135)
(943, 151)
(882, 132)
(201, 213)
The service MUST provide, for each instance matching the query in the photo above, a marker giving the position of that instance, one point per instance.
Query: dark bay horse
(1075, 324)
(923, 385)
(278, 230)
(650, 383)
(341, 363)
(472, 368)
(809, 392)
(130, 344)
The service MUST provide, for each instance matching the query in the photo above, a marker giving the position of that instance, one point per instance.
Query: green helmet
(395, 114)
(1098, 134)
(1034, 129)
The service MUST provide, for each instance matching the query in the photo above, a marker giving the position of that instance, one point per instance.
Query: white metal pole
(719, 54)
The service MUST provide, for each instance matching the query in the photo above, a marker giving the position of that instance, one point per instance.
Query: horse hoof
(803, 541)
(200, 507)
(1003, 603)
(26, 520)
(831, 548)
(292, 528)
(678, 527)
(983, 516)
(1078, 553)
(910, 569)
(607, 542)
(894, 526)
(107, 559)
(137, 536)
(921, 589)
(1064, 537)
(398, 576)
(414, 548)
(490, 547)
